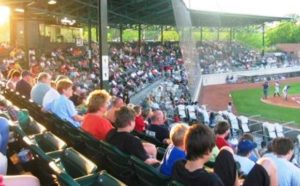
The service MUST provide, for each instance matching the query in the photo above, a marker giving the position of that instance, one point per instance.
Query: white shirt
(50, 96)
(245, 162)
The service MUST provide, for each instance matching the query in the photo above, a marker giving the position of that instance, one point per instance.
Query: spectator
(139, 121)
(126, 142)
(52, 93)
(222, 131)
(4, 135)
(24, 85)
(157, 128)
(225, 167)
(244, 150)
(63, 107)
(116, 104)
(39, 90)
(94, 121)
(198, 143)
(76, 95)
(14, 77)
(175, 150)
(287, 173)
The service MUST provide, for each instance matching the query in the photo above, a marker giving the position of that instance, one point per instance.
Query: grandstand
(161, 81)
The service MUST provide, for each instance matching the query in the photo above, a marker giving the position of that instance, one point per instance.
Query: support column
(201, 34)
(90, 42)
(25, 34)
(161, 34)
(230, 35)
(103, 50)
(121, 34)
(263, 40)
(218, 33)
(140, 35)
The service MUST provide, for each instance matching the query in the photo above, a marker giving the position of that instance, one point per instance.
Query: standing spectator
(198, 143)
(222, 132)
(277, 89)
(94, 121)
(63, 107)
(24, 85)
(39, 90)
(265, 89)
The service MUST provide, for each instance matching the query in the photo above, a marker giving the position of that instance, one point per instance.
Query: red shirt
(96, 125)
(139, 124)
(221, 142)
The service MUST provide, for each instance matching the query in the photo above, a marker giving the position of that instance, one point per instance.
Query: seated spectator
(76, 95)
(63, 107)
(198, 143)
(175, 150)
(157, 128)
(13, 78)
(139, 121)
(244, 150)
(222, 131)
(52, 93)
(254, 155)
(126, 142)
(264, 173)
(116, 104)
(4, 135)
(94, 121)
(283, 150)
(225, 167)
(24, 85)
(42, 86)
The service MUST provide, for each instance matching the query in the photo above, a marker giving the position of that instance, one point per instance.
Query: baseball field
(249, 102)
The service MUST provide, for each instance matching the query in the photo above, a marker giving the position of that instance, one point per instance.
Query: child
(198, 143)
(175, 150)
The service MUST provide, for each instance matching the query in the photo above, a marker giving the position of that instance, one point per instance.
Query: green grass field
(247, 102)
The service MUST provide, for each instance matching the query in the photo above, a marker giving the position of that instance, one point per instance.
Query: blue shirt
(288, 174)
(172, 154)
(64, 108)
(38, 92)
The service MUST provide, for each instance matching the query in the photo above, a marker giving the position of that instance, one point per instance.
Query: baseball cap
(245, 146)
(26, 73)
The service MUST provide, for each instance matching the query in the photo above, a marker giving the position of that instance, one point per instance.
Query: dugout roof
(131, 12)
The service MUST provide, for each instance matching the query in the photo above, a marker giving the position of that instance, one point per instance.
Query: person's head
(98, 100)
(60, 77)
(245, 147)
(199, 141)
(283, 147)
(44, 77)
(147, 113)
(27, 76)
(117, 102)
(137, 109)
(222, 129)
(125, 118)
(15, 75)
(247, 136)
(64, 87)
(177, 134)
(158, 118)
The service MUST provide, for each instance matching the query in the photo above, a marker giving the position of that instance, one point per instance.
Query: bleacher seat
(48, 142)
(148, 175)
(279, 130)
(100, 179)
(117, 163)
(269, 130)
(73, 163)
(243, 122)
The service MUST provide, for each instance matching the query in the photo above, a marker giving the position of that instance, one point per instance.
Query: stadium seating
(48, 142)
(100, 179)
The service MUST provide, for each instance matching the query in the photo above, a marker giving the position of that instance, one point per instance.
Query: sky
(252, 7)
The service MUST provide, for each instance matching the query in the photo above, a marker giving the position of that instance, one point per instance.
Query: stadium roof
(129, 12)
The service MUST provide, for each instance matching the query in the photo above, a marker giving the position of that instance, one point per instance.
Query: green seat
(100, 179)
(149, 139)
(174, 183)
(73, 163)
(28, 124)
(117, 163)
(49, 142)
(63, 178)
(92, 148)
(148, 175)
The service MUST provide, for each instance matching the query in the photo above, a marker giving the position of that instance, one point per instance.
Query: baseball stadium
(153, 93)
